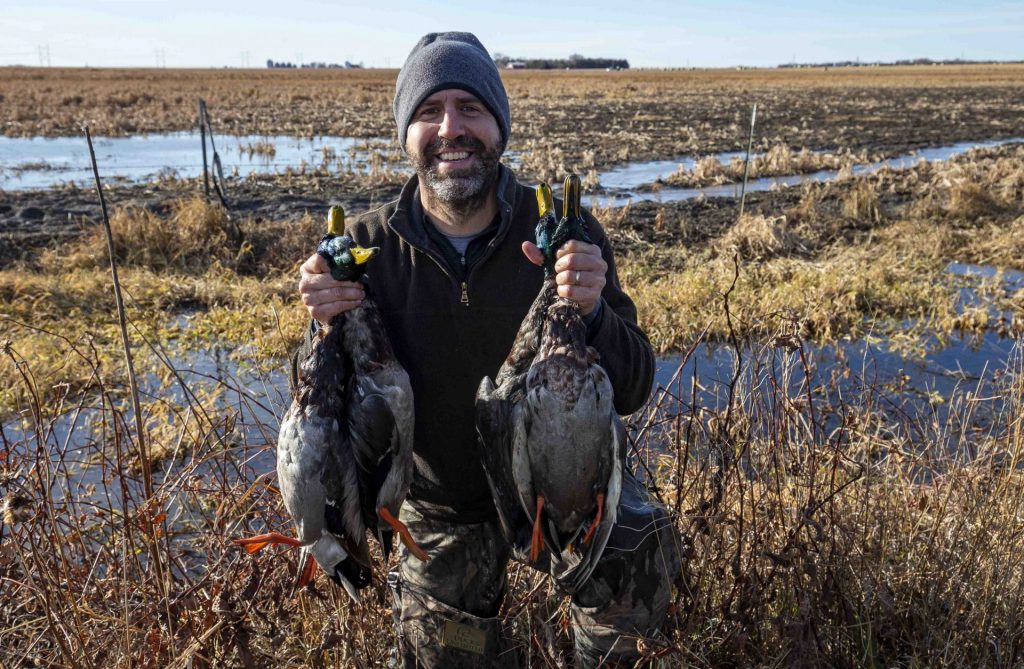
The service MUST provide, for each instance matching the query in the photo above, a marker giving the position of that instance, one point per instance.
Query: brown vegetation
(824, 525)
(572, 120)
(821, 528)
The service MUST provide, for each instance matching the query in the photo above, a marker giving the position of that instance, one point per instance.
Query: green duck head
(551, 234)
(346, 259)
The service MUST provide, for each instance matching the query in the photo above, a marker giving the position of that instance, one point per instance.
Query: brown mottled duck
(552, 443)
(344, 452)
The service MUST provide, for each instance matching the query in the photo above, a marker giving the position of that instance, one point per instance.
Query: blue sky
(649, 33)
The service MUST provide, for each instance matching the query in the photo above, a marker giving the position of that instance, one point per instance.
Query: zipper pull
(465, 294)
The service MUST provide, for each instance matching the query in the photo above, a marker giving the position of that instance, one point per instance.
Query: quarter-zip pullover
(450, 328)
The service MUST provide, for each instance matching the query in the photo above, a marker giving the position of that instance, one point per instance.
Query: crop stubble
(630, 115)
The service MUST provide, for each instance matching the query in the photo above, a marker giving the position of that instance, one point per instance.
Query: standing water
(38, 162)
(620, 182)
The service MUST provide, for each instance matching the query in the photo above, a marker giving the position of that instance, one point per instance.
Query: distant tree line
(573, 62)
(271, 63)
(909, 61)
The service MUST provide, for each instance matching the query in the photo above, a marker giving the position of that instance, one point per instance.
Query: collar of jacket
(403, 223)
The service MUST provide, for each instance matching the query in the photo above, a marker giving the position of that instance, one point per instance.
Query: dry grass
(854, 538)
(846, 258)
(823, 527)
(779, 160)
(827, 524)
(756, 237)
(234, 282)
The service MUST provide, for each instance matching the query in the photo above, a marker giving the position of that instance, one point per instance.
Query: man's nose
(451, 124)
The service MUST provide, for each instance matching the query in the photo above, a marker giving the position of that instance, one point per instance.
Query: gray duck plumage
(551, 443)
(344, 451)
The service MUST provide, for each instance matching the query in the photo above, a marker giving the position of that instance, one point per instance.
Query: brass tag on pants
(464, 637)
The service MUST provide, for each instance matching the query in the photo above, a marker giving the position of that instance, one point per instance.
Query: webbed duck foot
(261, 541)
(403, 532)
(597, 519)
(306, 575)
(538, 538)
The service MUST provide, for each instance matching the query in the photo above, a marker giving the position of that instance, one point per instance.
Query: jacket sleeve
(626, 353)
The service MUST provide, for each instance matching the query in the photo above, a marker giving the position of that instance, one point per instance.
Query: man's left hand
(579, 271)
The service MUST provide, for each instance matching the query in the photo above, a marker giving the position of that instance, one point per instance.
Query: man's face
(455, 144)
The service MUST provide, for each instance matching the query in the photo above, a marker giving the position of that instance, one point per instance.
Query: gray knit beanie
(449, 60)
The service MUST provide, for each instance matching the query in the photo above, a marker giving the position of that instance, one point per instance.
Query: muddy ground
(571, 119)
(34, 220)
(563, 121)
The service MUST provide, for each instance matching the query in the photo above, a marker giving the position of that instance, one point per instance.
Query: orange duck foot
(403, 532)
(538, 539)
(306, 575)
(261, 541)
(597, 519)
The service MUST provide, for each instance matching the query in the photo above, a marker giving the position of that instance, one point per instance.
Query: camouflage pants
(446, 609)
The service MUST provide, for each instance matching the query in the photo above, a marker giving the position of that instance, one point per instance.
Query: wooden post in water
(746, 161)
(202, 138)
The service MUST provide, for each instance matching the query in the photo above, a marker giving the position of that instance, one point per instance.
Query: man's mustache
(441, 145)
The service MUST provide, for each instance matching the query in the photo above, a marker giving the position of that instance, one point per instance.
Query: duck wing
(495, 424)
(572, 568)
(374, 433)
(310, 432)
(302, 447)
(342, 550)
(499, 415)
(381, 420)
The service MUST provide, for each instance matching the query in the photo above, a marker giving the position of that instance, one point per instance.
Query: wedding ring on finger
(576, 279)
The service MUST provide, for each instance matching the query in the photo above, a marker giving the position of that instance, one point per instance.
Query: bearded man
(455, 276)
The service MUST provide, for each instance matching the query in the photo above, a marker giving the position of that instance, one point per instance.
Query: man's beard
(457, 191)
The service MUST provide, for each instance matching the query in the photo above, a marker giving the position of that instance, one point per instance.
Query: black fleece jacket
(450, 328)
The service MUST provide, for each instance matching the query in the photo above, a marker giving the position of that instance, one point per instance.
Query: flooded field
(44, 162)
(644, 181)
(835, 421)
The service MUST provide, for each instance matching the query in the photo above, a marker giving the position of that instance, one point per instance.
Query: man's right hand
(324, 297)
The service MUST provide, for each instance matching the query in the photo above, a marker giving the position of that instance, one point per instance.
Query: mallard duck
(552, 444)
(344, 452)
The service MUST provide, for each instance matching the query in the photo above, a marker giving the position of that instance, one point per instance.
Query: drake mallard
(344, 452)
(552, 444)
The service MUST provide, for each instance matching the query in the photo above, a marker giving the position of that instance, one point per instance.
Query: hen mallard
(344, 452)
(552, 444)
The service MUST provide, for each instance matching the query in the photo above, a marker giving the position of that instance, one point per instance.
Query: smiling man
(456, 274)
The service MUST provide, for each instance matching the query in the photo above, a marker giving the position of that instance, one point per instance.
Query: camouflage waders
(445, 610)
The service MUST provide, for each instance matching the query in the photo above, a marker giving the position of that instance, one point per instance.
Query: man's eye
(427, 111)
